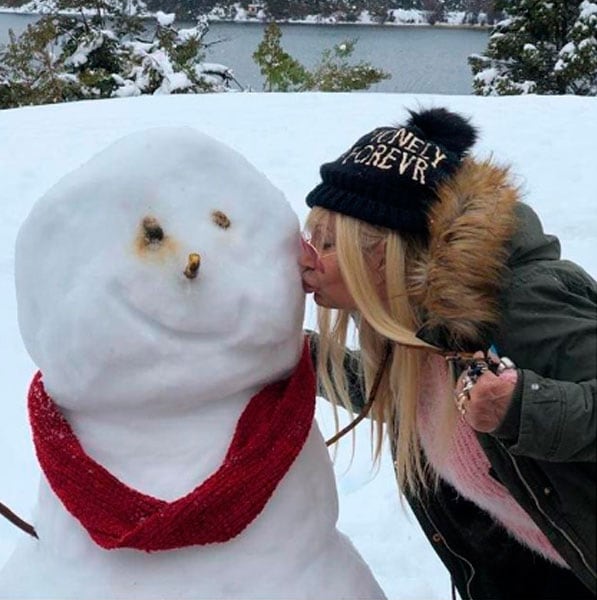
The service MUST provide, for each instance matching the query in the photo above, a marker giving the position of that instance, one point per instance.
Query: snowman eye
(152, 231)
(220, 219)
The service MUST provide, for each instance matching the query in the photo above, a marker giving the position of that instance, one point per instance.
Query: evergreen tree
(100, 54)
(282, 73)
(435, 9)
(478, 12)
(334, 73)
(577, 62)
(532, 50)
(379, 11)
(30, 70)
(279, 9)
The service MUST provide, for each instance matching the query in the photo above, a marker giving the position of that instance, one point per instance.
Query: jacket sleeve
(550, 332)
(352, 370)
(551, 420)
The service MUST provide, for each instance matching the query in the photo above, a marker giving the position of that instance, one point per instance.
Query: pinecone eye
(220, 219)
(152, 231)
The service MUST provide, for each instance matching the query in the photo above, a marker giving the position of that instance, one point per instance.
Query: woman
(436, 259)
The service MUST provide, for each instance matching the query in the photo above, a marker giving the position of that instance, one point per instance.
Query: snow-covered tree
(105, 48)
(578, 58)
(478, 12)
(435, 10)
(542, 47)
(335, 73)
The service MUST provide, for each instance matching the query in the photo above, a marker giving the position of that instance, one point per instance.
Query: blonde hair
(393, 320)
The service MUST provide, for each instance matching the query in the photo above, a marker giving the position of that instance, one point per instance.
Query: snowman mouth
(182, 329)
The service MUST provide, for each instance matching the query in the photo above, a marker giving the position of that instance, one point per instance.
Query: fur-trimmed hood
(478, 231)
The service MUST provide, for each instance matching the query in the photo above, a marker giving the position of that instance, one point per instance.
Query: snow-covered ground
(549, 141)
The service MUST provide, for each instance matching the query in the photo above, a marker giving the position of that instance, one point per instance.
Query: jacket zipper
(472, 574)
(538, 505)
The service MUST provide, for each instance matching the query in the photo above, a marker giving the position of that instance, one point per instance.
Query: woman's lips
(308, 289)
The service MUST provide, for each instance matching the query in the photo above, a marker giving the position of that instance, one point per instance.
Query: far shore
(253, 21)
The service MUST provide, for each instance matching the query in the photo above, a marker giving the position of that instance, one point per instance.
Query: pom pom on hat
(389, 177)
(448, 129)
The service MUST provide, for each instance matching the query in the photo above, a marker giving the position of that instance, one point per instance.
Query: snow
(241, 14)
(525, 87)
(173, 82)
(586, 43)
(187, 34)
(125, 89)
(487, 76)
(568, 48)
(548, 141)
(81, 54)
(165, 19)
(365, 17)
(456, 17)
(405, 16)
(566, 55)
(587, 8)
(214, 72)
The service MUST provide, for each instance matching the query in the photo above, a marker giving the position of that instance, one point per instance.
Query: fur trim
(462, 274)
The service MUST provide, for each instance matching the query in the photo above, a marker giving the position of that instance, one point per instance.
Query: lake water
(420, 59)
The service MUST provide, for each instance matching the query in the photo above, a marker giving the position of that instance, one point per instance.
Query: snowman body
(158, 292)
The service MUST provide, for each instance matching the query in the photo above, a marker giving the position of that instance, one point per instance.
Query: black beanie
(390, 176)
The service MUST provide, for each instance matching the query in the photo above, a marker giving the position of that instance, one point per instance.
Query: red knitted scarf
(269, 435)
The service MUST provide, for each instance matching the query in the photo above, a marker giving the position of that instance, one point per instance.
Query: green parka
(489, 256)
(544, 450)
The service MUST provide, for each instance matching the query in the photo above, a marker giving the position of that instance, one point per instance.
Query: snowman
(172, 415)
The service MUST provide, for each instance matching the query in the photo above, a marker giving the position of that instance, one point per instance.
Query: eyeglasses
(314, 255)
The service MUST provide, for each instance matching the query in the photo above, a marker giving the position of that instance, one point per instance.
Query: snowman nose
(192, 266)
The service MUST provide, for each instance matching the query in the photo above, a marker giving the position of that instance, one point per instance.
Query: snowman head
(162, 271)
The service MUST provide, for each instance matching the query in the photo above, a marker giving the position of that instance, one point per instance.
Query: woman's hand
(485, 402)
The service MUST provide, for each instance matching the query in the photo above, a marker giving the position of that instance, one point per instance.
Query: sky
(548, 141)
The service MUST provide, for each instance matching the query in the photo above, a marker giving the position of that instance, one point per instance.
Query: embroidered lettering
(405, 162)
(403, 136)
(400, 149)
(351, 153)
(389, 159)
(425, 150)
(439, 156)
(415, 145)
(364, 154)
(378, 135)
(376, 155)
(419, 170)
